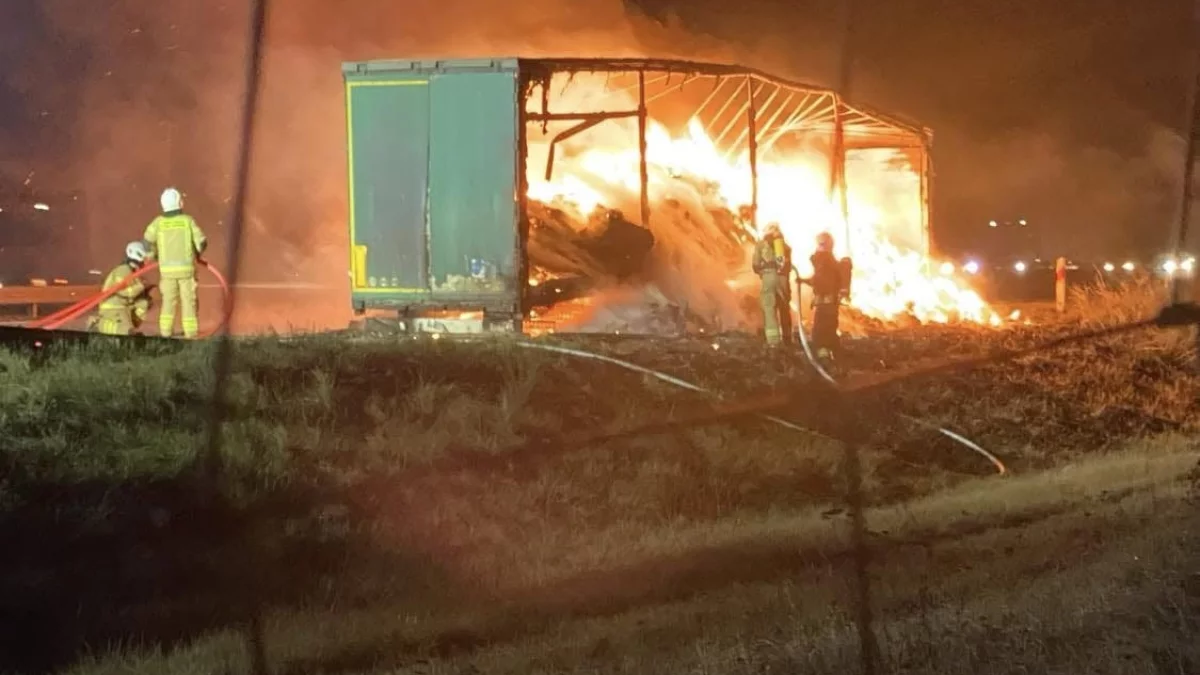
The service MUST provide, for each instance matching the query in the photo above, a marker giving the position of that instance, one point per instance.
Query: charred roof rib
(867, 116)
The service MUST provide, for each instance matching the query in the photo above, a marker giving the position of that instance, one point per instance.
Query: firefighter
(122, 312)
(176, 241)
(828, 290)
(773, 264)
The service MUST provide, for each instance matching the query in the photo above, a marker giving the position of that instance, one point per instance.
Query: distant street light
(972, 267)
(1020, 267)
(1129, 267)
(947, 268)
(1109, 267)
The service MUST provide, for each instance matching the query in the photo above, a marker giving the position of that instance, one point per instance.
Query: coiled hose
(66, 315)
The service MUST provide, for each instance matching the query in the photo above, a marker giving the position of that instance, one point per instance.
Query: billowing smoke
(164, 81)
(149, 96)
(1125, 202)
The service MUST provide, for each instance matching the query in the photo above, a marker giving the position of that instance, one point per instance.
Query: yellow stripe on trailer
(359, 265)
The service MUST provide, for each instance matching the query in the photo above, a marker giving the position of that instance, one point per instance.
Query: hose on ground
(669, 379)
(954, 436)
(66, 315)
(684, 384)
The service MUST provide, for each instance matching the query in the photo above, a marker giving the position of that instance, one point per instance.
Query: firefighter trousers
(775, 298)
(115, 322)
(181, 292)
(825, 327)
(120, 320)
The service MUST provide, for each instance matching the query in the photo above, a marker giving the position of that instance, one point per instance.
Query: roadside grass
(381, 498)
(1060, 404)
(1054, 572)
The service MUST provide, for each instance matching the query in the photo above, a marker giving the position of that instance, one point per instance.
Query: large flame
(893, 277)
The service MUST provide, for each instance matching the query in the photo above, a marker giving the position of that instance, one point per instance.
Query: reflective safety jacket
(772, 254)
(175, 240)
(128, 299)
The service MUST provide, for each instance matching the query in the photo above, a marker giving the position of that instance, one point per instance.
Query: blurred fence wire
(236, 218)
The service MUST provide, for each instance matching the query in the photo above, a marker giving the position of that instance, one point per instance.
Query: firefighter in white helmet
(122, 312)
(176, 241)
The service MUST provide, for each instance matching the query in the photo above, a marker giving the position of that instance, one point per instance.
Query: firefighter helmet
(136, 251)
(171, 200)
(772, 229)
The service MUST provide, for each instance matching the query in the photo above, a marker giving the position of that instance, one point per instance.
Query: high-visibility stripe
(176, 241)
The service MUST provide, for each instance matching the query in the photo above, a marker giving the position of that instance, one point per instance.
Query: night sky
(1067, 113)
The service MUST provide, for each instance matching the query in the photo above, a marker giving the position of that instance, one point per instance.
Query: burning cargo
(522, 190)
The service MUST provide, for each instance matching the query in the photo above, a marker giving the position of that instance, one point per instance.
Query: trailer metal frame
(747, 111)
(804, 108)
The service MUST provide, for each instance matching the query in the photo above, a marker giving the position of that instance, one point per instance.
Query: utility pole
(842, 95)
(1192, 123)
(864, 616)
(1191, 126)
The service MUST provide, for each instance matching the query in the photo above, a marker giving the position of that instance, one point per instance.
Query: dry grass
(1049, 573)
(412, 507)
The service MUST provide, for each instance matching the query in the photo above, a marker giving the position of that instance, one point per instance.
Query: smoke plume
(149, 96)
(164, 82)
(1125, 202)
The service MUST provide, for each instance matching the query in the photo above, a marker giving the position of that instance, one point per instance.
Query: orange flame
(893, 276)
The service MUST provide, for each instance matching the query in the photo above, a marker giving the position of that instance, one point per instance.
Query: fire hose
(816, 364)
(669, 379)
(66, 315)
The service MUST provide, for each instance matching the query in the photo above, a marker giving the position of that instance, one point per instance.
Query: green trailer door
(473, 180)
(388, 140)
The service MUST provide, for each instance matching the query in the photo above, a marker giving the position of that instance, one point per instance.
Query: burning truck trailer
(622, 195)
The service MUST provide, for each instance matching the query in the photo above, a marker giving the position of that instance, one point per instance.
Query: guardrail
(36, 296)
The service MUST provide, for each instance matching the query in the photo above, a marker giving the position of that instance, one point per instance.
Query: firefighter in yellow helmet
(176, 241)
(772, 262)
(122, 312)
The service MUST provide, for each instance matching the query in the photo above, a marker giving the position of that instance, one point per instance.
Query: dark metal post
(1191, 125)
(210, 460)
(643, 172)
(845, 62)
(752, 129)
(843, 189)
(926, 201)
(833, 150)
(864, 619)
(522, 205)
(838, 178)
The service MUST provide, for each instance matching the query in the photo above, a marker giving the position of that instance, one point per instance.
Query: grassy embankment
(385, 505)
